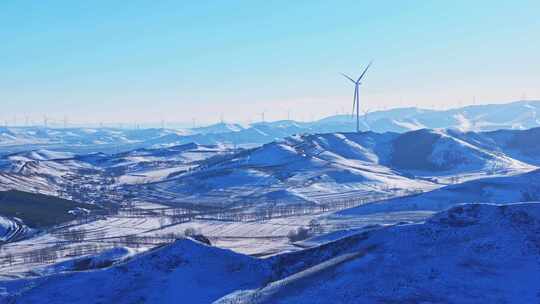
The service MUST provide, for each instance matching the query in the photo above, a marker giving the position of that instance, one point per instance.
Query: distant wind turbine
(366, 122)
(356, 98)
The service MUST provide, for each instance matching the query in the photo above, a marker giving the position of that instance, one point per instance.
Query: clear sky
(143, 61)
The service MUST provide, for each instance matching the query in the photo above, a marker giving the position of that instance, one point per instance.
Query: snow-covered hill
(322, 167)
(81, 140)
(472, 253)
(518, 115)
(468, 254)
(447, 151)
(8, 228)
(300, 169)
(218, 128)
(93, 177)
(498, 190)
(183, 272)
(514, 115)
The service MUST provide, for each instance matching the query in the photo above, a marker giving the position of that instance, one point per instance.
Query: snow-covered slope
(7, 228)
(514, 115)
(65, 174)
(298, 169)
(523, 145)
(518, 115)
(302, 169)
(447, 151)
(472, 253)
(468, 254)
(218, 128)
(151, 165)
(13, 139)
(183, 272)
(522, 187)
(322, 167)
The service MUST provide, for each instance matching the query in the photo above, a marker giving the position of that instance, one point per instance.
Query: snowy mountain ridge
(517, 115)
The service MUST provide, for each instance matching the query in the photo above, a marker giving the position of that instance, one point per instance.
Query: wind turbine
(356, 98)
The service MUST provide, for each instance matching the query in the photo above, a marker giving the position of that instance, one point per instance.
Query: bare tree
(74, 235)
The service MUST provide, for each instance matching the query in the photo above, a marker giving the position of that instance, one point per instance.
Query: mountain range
(517, 115)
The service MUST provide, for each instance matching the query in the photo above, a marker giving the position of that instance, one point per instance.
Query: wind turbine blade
(352, 80)
(364, 72)
(354, 99)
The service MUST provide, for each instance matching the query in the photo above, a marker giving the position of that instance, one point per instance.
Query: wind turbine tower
(356, 97)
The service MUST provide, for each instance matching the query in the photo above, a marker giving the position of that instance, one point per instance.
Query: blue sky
(143, 61)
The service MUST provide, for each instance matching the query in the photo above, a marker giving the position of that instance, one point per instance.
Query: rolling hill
(496, 190)
(183, 271)
(469, 254)
(302, 169)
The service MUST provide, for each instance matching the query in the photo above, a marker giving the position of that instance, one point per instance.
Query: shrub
(299, 234)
